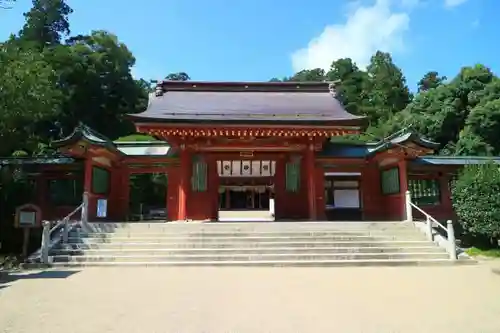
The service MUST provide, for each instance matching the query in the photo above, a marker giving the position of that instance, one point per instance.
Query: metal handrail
(427, 216)
(49, 238)
(451, 246)
(65, 219)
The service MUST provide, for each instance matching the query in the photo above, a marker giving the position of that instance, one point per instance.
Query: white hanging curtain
(246, 168)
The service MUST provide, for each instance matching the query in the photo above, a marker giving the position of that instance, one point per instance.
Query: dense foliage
(462, 114)
(476, 200)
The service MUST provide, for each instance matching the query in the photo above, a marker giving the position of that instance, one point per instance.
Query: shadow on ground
(6, 277)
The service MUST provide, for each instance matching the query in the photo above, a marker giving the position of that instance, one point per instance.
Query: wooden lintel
(132, 171)
(245, 133)
(149, 160)
(342, 161)
(246, 148)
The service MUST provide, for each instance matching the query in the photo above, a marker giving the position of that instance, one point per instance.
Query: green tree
(387, 91)
(180, 76)
(442, 113)
(308, 75)
(97, 83)
(476, 199)
(469, 144)
(351, 92)
(430, 80)
(46, 23)
(29, 96)
(483, 122)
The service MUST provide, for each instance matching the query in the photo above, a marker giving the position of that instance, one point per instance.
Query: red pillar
(124, 192)
(87, 188)
(87, 184)
(280, 194)
(213, 186)
(184, 182)
(320, 192)
(403, 183)
(311, 181)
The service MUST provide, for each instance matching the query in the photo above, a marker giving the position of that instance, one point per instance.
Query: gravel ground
(184, 300)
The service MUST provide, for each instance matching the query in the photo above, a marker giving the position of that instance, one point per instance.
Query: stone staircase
(249, 244)
(245, 216)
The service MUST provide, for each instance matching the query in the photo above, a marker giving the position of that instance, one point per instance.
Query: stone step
(130, 244)
(260, 233)
(264, 263)
(277, 250)
(249, 257)
(252, 236)
(237, 239)
(242, 226)
(249, 244)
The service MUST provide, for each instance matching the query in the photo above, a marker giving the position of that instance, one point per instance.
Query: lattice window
(390, 181)
(293, 176)
(199, 178)
(425, 191)
(100, 180)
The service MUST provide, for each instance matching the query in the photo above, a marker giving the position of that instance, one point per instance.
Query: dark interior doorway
(246, 197)
(148, 197)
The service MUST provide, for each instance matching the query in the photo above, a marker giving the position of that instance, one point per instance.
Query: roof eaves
(456, 160)
(83, 132)
(80, 132)
(140, 143)
(399, 138)
(36, 160)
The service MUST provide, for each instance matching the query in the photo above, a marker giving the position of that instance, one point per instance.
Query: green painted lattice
(100, 180)
(425, 191)
(293, 176)
(199, 179)
(390, 181)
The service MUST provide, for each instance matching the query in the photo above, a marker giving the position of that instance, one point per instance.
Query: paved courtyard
(239, 300)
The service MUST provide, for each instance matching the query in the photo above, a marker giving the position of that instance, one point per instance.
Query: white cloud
(453, 3)
(366, 30)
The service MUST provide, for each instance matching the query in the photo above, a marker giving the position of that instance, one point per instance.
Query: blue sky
(228, 40)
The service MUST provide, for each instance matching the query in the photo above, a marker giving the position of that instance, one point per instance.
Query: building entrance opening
(245, 197)
(246, 190)
(148, 197)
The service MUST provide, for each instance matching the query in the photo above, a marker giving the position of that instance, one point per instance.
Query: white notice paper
(346, 198)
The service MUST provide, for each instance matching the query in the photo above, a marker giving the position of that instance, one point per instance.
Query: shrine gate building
(228, 149)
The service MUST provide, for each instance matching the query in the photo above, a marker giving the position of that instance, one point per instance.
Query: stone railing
(430, 223)
(58, 232)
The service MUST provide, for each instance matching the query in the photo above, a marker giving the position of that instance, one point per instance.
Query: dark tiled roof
(248, 102)
(36, 160)
(136, 148)
(455, 160)
(355, 150)
(400, 138)
(84, 132)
